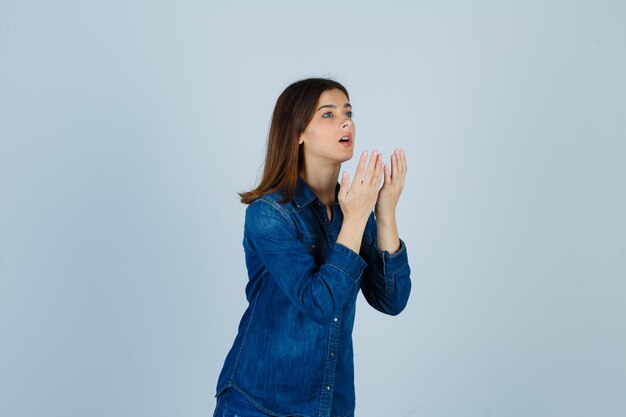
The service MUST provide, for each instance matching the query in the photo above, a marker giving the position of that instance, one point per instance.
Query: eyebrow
(332, 106)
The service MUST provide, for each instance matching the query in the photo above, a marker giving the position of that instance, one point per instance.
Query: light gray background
(127, 128)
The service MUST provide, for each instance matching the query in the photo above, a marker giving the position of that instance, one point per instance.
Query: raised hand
(389, 193)
(358, 199)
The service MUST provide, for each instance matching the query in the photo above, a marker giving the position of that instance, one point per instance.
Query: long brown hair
(294, 110)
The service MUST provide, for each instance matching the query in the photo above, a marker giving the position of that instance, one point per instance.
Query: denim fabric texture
(292, 355)
(232, 404)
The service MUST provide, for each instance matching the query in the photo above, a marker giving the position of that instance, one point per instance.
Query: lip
(349, 135)
(348, 143)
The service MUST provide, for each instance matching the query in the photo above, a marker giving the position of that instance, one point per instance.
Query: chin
(346, 158)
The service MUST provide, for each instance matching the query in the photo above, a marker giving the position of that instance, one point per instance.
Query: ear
(300, 140)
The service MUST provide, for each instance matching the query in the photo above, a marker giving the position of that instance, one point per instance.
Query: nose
(346, 123)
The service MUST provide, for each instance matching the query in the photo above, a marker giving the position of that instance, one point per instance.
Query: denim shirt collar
(303, 194)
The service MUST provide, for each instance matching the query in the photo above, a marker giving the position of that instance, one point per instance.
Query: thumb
(343, 186)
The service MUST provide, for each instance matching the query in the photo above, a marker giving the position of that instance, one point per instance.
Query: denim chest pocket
(316, 248)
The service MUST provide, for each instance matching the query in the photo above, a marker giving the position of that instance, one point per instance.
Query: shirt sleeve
(318, 291)
(386, 282)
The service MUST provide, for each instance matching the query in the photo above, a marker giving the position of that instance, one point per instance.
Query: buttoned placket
(326, 396)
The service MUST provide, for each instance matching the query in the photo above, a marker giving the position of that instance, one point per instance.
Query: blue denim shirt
(293, 355)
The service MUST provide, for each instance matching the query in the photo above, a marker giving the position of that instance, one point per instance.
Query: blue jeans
(231, 403)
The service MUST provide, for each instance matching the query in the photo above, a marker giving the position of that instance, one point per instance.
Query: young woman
(310, 245)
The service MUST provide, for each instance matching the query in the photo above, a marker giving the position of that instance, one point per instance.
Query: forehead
(334, 96)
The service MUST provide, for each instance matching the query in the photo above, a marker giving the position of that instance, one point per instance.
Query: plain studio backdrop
(126, 129)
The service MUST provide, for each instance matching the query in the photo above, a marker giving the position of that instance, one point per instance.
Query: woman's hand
(389, 194)
(358, 201)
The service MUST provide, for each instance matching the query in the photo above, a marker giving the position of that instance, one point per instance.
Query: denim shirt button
(335, 319)
(327, 387)
(312, 246)
(332, 354)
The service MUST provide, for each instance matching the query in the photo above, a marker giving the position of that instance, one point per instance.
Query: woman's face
(322, 139)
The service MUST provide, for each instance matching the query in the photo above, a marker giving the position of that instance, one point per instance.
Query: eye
(329, 114)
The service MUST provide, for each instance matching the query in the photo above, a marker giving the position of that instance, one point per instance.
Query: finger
(398, 164)
(389, 170)
(360, 168)
(403, 166)
(343, 186)
(386, 172)
(403, 161)
(369, 172)
(394, 165)
(379, 172)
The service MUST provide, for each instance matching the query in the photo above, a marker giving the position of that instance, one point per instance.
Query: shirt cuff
(347, 261)
(394, 261)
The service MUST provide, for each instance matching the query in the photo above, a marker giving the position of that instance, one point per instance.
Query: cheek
(317, 136)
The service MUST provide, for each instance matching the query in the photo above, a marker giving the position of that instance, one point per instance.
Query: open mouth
(345, 139)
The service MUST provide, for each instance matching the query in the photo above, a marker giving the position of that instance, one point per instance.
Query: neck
(322, 179)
